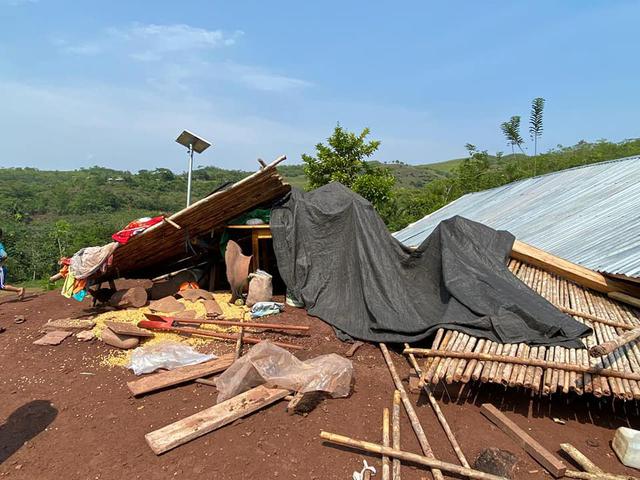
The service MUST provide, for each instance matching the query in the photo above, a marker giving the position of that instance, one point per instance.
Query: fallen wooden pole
(395, 436)
(587, 465)
(194, 426)
(596, 476)
(533, 362)
(609, 346)
(594, 318)
(435, 465)
(387, 443)
(217, 335)
(242, 324)
(524, 440)
(580, 458)
(411, 413)
(436, 408)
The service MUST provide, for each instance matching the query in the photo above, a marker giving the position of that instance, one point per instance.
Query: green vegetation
(343, 160)
(46, 214)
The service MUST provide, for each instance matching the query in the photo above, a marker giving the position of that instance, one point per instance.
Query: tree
(511, 131)
(343, 160)
(535, 122)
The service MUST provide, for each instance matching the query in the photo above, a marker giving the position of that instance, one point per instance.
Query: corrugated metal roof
(589, 215)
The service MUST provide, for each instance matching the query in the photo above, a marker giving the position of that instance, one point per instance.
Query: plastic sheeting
(275, 367)
(335, 254)
(168, 355)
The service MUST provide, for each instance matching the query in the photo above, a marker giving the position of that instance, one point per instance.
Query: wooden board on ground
(190, 428)
(184, 374)
(53, 338)
(212, 308)
(524, 440)
(123, 328)
(68, 325)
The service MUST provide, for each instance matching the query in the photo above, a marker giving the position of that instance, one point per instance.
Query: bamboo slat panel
(563, 293)
(163, 242)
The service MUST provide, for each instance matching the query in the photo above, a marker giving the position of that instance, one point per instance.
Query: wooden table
(258, 232)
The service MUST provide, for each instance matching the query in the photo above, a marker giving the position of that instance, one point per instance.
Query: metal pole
(189, 176)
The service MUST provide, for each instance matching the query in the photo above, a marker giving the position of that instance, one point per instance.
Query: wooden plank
(569, 270)
(524, 440)
(190, 428)
(123, 328)
(623, 297)
(157, 381)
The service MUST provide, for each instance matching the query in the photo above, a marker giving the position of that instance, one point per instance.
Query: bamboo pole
(411, 413)
(436, 408)
(387, 443)
(395, 437)
(525, 361)
(435, 465)
(593, 318)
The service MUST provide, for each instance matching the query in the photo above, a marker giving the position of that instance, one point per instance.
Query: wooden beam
(435, 465)
(623, 297)
(524, 440)
(609, 346)
(194, 426)
(156, 381)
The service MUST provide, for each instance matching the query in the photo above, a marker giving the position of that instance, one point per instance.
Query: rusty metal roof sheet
(589, 215)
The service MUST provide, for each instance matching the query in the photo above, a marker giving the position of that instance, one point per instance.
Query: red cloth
(134, 228)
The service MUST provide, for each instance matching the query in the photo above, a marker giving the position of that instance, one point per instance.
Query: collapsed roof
(589, 215)
(171, 241)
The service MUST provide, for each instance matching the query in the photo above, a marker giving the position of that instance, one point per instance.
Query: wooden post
(238, 351)
(524, 440)
(395, 427)
(436, 408)
(609, 346)
(430, 462)
(411, 413)
(386, 442)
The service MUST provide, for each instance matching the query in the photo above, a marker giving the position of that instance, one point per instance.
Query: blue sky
(113, 83)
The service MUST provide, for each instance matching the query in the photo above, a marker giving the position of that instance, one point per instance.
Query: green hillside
(47, 214)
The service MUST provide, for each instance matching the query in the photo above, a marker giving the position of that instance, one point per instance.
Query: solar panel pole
(189, 174)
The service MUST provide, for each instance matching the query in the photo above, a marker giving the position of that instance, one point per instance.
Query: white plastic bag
(275, 367)
(167, 355)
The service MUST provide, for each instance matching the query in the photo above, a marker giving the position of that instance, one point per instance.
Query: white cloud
(264, 80)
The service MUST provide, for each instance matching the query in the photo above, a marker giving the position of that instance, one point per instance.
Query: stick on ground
(395, 427)
(386, 442)
(432, 463)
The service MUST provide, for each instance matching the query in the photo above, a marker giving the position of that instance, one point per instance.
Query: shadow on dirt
(24, 424)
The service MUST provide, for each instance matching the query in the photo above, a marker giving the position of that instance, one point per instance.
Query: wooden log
(386, 441)
(524, 440)
(353, 348)
(439, 414)
(435, 465)
(607, 372)
(581, 459)
(172, 223)
(411, 413)
(156, 381)
(395, 437)
(135, 297)
(596, 476)
(609, 346)
(194, 426)
(205, 381)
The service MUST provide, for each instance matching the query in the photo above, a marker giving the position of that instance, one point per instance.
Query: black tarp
(336, 255)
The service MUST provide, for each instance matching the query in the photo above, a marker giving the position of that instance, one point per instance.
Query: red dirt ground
(64, 416)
